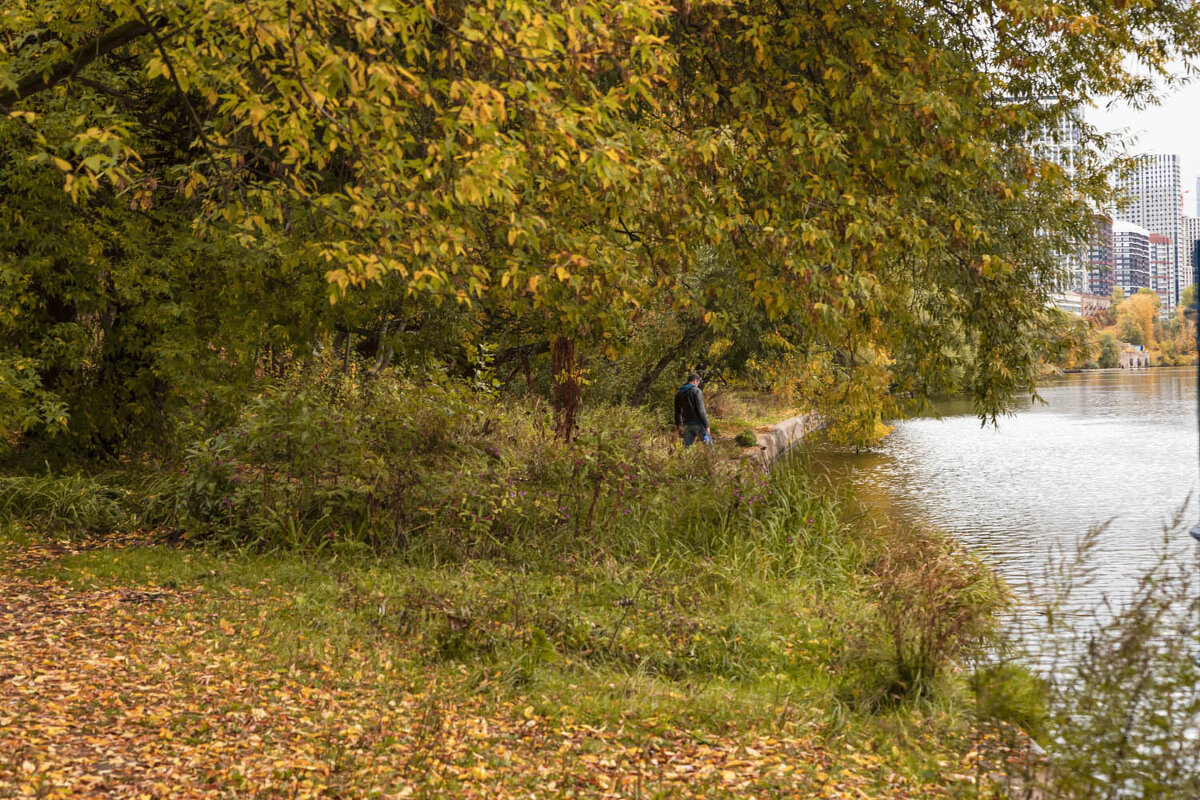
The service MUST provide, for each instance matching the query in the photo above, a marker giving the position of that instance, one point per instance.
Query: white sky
(1172, 127)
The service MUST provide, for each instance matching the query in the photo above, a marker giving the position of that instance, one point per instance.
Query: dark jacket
(689, 406)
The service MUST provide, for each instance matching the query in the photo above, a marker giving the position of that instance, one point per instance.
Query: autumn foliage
(758, 189)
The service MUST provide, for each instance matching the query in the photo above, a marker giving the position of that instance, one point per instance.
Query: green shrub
(1011, 693)
(409, 464)
(936, 605)
(746, 438)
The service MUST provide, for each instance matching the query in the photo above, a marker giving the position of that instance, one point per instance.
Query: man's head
(694, 378)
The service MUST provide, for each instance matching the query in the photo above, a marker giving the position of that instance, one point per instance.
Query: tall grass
(98, 503)
(461, 524)
(1110, 687)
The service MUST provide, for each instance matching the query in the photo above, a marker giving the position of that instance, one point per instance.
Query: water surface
(1117, 447)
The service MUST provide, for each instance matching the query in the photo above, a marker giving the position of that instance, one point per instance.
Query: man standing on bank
(689, 411)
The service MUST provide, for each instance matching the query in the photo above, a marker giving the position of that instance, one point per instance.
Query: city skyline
(1154, 189)
(1165, 129)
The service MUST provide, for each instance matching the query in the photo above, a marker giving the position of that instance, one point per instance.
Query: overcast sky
(1173, 127)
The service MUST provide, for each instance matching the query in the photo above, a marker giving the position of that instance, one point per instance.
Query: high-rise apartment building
(1162, 266)
(1198, 197)
(1059, 141)
(1100, 258)
(1131, 257)
(1154, 192)
(1189, 244)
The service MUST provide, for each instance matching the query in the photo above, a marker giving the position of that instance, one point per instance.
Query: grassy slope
(703, 633)
(148, 669)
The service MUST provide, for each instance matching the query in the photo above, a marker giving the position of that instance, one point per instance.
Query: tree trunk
(642, 388)
(566, 388)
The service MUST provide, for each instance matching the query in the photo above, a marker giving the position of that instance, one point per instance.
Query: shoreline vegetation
(440, 598)
(624, 615)
(1137, 321)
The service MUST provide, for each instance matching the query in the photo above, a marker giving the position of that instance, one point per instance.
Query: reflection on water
(1117, 446)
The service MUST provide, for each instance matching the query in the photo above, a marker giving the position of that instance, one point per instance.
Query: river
(1113, 447)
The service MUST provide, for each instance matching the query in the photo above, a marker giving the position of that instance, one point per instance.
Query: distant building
(1099, 279)
(1189, 242)
(1162, 268)
(1082, 304)
(1134, 356)
(1060, 141)
(1154, 191)
(1131, 257)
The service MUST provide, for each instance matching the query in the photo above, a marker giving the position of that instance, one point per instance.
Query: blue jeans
(693, 432)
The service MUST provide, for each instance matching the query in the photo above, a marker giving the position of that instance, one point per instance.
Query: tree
(1110, 351)
(1131, 331)
(1185, 321)
(1187, 298)
(855, 183)
(1137, 316)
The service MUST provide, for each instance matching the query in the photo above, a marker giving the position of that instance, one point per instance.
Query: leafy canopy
(842, 199)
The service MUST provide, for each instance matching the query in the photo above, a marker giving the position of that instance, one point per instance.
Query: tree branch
(209, 144)
(126, 99)
(66, 68)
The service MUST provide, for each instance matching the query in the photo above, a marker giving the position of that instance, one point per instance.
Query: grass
(734, 411)
(711, 661)
(700, 617)
(456, 561)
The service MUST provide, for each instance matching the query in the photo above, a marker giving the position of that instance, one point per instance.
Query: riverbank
(1082, 502)
(613, 617)
(133, 669)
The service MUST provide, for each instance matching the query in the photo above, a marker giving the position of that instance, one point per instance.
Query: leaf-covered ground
(149, 691)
